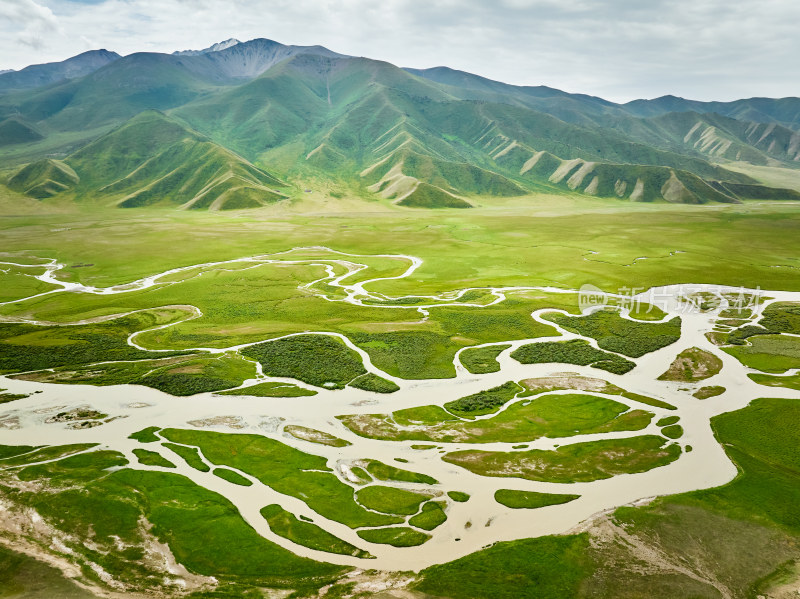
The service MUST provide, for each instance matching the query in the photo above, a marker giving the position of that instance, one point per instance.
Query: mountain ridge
(423, 138)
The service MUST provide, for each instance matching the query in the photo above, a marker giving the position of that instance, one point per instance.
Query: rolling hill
(152, 160)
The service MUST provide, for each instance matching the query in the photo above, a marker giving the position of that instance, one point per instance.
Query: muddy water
(470, 526)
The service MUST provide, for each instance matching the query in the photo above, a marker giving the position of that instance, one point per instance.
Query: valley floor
(129, 347)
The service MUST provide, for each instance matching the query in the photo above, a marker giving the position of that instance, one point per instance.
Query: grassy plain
(579, 462)
(530, 499)
(548, 415)
(285, 469)
(126, 246)
(287, 525)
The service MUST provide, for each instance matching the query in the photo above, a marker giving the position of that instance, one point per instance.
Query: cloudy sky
(617, 49)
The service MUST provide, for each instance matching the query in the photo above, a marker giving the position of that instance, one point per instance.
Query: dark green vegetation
(781, 317)
(621, 335)
(146, 435)
(310, 535)
(271, 389)
(547, 415)
(484, 402)
(692, 365)
(373, 382)
(314, 359)
(399, 536)
(574, 351)
(390, 500)
(430, 516)
(482, 360)
(708, 392)
(579, 462)
(31, 347)
(232, 477)
(530, 499)
(8, 397)
(285, 469)
(84, 500)
(667, 420)
(152, 458)
(383, 471)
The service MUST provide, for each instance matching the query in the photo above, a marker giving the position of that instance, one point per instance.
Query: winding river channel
(470, 526)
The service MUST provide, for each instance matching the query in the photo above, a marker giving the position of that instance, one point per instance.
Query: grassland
(180, 376)
(707, 392)
(579, 462)
(530, 500)
(234, 304)
(146, 435)
(232, 477)
(768, 353)
(191, 455)
(430, 516)
(386, 472)
(310, 535)
(21, 575)
(787, 382)
(399, 536)
(390, 500)
(85, 500)
(548, 415)
(152, 458)
(250, 306)
(543, 568)
(286, 470)
(271, 389)
(458, 496)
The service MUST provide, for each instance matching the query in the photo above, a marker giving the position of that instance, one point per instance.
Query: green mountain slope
(153, 160)
(418, 138)
(14, 131)
(44, 179)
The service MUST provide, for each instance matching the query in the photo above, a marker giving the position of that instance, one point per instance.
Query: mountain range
(245, 124)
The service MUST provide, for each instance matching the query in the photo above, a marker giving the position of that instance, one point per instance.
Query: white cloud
(620, 49)
(32, 24)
